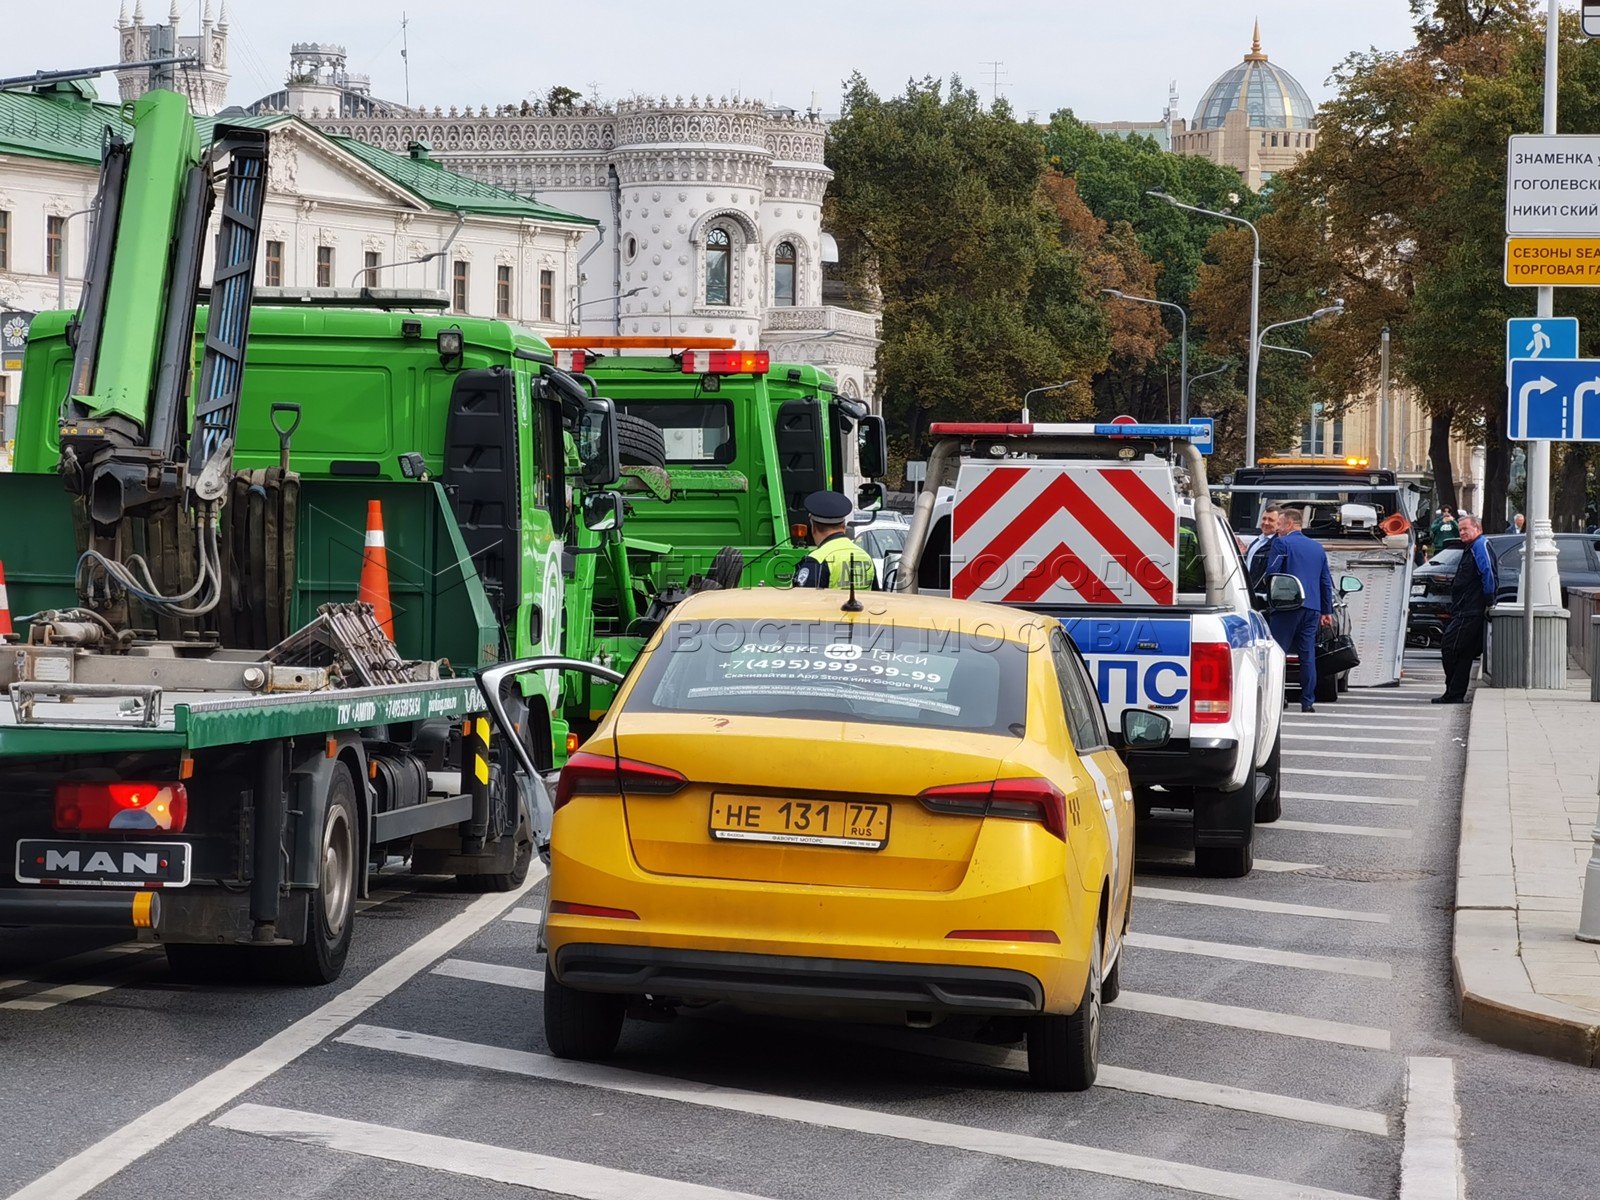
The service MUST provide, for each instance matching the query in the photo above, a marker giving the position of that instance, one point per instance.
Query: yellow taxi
(905, 812)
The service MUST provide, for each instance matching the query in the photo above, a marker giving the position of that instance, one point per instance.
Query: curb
(1496, 998)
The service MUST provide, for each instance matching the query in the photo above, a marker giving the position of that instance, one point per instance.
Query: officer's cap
(832, 508)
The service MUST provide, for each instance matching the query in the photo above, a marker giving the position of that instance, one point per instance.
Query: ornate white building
(205, 84)
(709, 212)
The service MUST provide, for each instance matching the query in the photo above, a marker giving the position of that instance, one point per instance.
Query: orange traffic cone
(374, 588)
(5, 605)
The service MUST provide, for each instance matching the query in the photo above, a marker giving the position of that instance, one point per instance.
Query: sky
(1104, 59)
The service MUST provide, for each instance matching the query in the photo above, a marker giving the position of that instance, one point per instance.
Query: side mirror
(1348, 584)
(870, 497)
(595, 436)
(872, 447)
(1143, 730)
(602, 511)
(1284, 593)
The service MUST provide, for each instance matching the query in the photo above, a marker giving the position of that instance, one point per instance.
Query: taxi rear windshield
(875, 673)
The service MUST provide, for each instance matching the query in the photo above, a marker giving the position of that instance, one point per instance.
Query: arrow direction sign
(1547, 398)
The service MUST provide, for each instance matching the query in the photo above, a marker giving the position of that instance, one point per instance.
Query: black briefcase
(1337, 654)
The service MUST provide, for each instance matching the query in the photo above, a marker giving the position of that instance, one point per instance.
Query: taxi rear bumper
(789, 979)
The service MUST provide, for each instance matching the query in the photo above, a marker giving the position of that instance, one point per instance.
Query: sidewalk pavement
(1528, 809)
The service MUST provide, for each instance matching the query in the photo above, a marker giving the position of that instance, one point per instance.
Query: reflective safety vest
(834, 562)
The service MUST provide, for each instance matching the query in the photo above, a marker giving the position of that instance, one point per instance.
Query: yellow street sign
(1553, 262)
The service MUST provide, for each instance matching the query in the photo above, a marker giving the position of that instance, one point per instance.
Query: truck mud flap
(1227, 818)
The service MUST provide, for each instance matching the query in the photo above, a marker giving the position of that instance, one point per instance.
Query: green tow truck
(201, 733)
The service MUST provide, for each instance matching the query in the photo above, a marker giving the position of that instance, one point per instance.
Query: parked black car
(1429, 603)
(1577, 559)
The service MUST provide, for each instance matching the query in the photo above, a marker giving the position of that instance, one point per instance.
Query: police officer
(836, 560)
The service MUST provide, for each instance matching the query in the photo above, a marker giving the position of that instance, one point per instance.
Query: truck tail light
(121, 807)
(1029, 799)
(573, 361)
(1210, 683)
(601, 775)
(726, 362)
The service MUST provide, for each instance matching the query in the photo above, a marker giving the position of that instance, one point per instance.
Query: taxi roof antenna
(852, 604)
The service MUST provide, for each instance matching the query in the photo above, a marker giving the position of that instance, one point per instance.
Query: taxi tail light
(726, 362)
(601, 775)
(1210, 683)
(1013, 799)
(123, 807)
(569, 909)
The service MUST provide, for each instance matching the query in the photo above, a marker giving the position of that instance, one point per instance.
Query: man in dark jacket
(1293, 553)
(1471, 596)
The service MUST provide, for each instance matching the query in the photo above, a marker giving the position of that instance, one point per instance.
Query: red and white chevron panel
(1079, 533)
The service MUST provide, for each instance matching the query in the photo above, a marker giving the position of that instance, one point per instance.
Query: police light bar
(981, 429)
(726, 362)
(574, 361)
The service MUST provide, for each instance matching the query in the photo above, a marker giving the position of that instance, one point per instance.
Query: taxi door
(1086, 724)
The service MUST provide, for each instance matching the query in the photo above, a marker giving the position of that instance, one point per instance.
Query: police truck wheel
(333, 905)
(581, 1025)
(1064, 1052)
(639, 443)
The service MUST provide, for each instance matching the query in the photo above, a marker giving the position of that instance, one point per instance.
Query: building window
(1313, 439)
(324, 266)
(783, 263)
(458, 287)
(547, 295)
(372, 268)
(54, 228)
(719, 266)
(1338, 439)
(274, 269)
(5, 241)
(502, 291)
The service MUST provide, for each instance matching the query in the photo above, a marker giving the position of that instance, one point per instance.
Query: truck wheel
(1225, 862)
(1344, 681)
(727, 568)
(1064, 1052)
(505, 881)
(1270, 807)
(333, 904)
(639, 443)
(582, 1025)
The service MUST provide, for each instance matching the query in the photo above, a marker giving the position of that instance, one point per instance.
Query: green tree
(940, 208)
(562, 101)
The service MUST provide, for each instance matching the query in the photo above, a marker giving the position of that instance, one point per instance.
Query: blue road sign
(1209, 443)
(1540, 337)
(1555, 399)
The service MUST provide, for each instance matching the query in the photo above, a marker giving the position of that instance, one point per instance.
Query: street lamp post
(1049, 387)
(572, 313)
(1255, 315)
(61, 257)
(1183, 346)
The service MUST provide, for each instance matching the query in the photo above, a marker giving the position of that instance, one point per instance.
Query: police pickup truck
(1111, 529)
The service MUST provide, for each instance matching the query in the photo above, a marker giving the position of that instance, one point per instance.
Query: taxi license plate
(854, 824)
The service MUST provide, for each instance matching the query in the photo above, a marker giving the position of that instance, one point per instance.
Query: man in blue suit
(1293, 553)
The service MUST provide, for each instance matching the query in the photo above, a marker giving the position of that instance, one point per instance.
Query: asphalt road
(1287, 1035)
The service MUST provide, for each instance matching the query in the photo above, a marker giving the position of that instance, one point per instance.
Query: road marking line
(1430, 1164)
(1259, 1019)
(1144, 1083)
(524, 916)
(1175, 896)
(1363, 756)
(1353, 774)
(96, 977)
(482, 972)
(381, 896)
(1262, 954)
(1342, 740)
(1347, 830)
(1339, 798)
(455, 1156)
(88, 1169)
(1272, 864)
(65, 993)
(1019, 1147)
(1405, 706)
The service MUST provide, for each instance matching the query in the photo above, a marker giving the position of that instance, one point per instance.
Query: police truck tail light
(121, 807)
(1210, 683)
(726, 362)
(1014, 799)
(601, 775)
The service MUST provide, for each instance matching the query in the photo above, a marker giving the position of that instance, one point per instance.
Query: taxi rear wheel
(1270, 807)
(1064, 1052)
(581, 1025)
